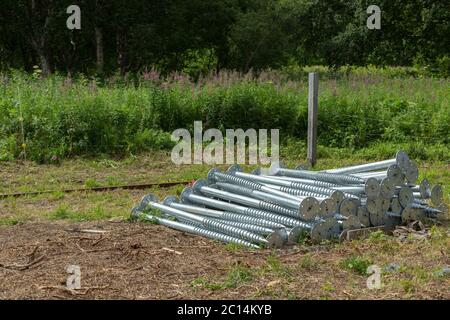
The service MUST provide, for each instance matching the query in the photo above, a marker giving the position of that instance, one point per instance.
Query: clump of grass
(235, 276)
(308, 263)
(327, 289)
(61, 213)
(378, 235)
(64, 212)
(234, 247)
(277, 267)
(92, 183)
(408, 285)
(202, 282)
(357, 264)
(9, 221)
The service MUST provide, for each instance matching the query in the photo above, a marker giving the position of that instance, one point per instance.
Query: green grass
(357, 264)
(64, 212)
(369, 114)
(307, 262)
(276, 266)
(236, 276)
(9, 221)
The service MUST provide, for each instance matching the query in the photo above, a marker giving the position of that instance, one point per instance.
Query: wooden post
(313, 108)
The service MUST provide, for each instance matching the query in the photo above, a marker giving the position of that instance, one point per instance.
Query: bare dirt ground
(145, 261)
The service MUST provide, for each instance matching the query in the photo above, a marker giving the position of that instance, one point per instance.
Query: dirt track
(144, 261)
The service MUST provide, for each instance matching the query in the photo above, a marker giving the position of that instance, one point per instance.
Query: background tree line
(198, 36)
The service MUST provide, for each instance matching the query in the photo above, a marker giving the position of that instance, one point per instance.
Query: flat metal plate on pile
(324, 230)
(372, 188)
(373, 205)
(328, 207)
(348, 207)
(395, 174)
(387, 188)
(293, 235)
(412, 214)
(210, 175)
(277, 239)
(352, 222)
(169, 199)
(184, 196)
(405, 196)
(256, 172)
(338, 196)
(412, 173)
(385, 204)
(309, 208)
(234, 168)
(424, 189)
(402, 160)
(395, 206)
(363, 216)
(377, 218)
(437, 195)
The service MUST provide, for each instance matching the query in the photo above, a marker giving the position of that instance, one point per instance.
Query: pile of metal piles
(277, 206)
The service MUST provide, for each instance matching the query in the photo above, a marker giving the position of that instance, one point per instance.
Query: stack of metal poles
(278, 206)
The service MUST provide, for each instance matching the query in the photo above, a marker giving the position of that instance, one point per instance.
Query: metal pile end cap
(395, 173)
(372, 187)
(234, 168)
(199, 184)
(363, 216)
(328, 207)
(277, 239)
(348, 207)
(184, 196)
(338, 196)
(412, 172)
(387, 188)
(405, 196)
(352, 222)
(424, 189)
(402, 159)
(309, 208)
(169, 199)
(437, 195)
(210, 175)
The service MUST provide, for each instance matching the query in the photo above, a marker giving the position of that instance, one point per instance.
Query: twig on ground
(173, 251)
(22, 266)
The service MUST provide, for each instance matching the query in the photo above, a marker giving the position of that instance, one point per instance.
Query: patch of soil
(123, 260)
(127, 261)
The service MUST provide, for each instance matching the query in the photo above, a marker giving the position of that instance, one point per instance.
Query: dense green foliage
(198, 36)
(45, 119)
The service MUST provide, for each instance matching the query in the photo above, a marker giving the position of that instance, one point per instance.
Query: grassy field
(56, 118)
(136, 254)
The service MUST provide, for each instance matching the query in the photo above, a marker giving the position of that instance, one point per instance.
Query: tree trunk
(44, 59)
(120, 47)
(99, 48)
(39, 37)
